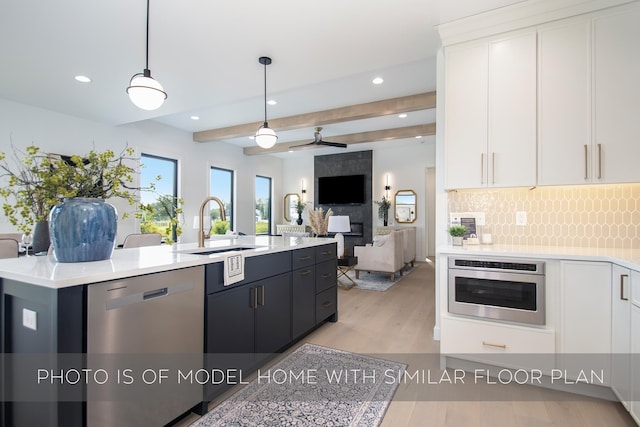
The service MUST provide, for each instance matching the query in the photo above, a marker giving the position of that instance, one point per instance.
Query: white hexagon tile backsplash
(597, 216)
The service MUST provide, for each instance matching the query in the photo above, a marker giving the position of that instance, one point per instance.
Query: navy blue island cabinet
(276, 304)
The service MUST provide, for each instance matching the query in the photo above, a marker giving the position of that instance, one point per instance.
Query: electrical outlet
(29, 319)
(521, 218)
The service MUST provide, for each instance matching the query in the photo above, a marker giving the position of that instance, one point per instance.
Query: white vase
(457, 240)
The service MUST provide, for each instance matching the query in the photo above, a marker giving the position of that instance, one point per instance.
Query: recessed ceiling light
(195, 118)
(378, 81)
(419, 136)
(403, 115)
(83, 79)
(252, 137)
(272, 102)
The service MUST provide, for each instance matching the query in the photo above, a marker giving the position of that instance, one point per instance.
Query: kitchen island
(153, 307)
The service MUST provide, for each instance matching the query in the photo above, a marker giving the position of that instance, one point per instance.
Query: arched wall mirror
(405, 206)
(290, 201)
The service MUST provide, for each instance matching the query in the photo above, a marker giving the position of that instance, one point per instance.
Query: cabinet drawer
(326, 275)
(255, 268)
(326, 252)
(509, 346)
(326, 303)
(303, 257)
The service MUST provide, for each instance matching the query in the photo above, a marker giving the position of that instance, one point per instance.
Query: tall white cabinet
(490, 116)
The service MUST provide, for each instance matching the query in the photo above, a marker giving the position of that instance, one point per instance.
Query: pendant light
(265, 137)
(145, 92)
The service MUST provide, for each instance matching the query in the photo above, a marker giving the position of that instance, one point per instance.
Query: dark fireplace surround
(353, 163)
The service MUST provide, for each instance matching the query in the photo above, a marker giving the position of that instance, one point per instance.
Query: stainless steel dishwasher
(136, 328)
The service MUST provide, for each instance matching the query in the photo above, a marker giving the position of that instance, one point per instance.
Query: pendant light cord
(147, 46)
(265, 94)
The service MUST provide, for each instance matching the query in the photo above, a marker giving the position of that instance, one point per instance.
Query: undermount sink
(210, 251)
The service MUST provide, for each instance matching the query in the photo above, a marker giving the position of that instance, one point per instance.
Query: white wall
(405, 166)
(53, 132)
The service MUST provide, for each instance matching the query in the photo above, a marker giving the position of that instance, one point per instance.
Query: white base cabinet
(585, 317)
(621, 332)
(635, 367)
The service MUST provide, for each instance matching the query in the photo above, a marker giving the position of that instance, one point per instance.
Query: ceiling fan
(317, 140)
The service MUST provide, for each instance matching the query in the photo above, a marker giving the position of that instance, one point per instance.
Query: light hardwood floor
(400, 322)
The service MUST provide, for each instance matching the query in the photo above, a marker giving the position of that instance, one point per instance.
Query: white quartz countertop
(45, 271)
(629, 258)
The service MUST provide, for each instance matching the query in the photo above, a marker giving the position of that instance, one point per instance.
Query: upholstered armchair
(384, 255)
(409, 245)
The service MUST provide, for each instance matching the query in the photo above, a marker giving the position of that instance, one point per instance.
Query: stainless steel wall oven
(501, 289)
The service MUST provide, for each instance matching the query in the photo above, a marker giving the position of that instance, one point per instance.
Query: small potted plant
(299, 209)
(457, 232)
(383, 210)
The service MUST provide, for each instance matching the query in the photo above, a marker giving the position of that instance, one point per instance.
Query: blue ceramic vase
(83, 229)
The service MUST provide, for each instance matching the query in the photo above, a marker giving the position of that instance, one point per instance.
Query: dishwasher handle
(155, 293)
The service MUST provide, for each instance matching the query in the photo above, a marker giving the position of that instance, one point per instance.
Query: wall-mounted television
(341, 190)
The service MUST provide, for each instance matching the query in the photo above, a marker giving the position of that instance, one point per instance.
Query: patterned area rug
(378, 281)
(314, 385)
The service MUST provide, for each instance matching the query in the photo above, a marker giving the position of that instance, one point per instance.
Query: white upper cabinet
(564, 103)
(467, 69)
(616, 73)
(588, 71)
(490, 112)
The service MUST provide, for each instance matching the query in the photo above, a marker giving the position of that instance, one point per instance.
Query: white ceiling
(205, 54)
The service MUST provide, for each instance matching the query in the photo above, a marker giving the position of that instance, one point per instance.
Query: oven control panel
(530, 267)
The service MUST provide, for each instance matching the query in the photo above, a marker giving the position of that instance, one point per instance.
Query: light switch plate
(29, 319)
(521, 218)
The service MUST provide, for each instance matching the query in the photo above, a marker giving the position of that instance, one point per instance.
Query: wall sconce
(302, 189)
(387, 187)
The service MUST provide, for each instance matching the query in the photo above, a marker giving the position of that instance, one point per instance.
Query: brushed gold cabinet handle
(254, 303)
(493, 168)
(326, 276)
(586, 162)
(622, 280)
(262, 296)
(304, 258)
(327, 304)
(305, 273)
(488, 344)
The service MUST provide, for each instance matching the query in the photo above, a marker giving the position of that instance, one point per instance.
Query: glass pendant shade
(145, 92)
(266, 137)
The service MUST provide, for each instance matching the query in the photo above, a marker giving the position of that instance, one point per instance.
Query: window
(221, 186)
(263, 205)
(165, 196)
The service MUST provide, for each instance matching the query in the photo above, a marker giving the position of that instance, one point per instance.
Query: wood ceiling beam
(403, 104)
(353, 138)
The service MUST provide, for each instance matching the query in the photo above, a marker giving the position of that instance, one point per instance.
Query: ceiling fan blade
(304, 145)
(333, 144)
